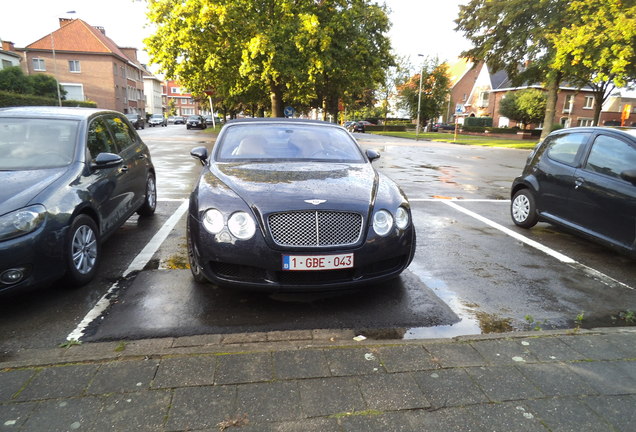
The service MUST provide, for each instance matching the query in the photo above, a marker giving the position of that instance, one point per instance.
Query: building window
(74, 66)
(568, 104)
(565, 122)
(6, 64)
(74, 91)
(174, 90)
(38, 64)
(585, 122)
(589, 102)
(482, 102)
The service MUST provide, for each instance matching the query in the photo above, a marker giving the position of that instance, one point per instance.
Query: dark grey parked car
(583, 179)
(71, 177)
(196, 121)
(136, 120)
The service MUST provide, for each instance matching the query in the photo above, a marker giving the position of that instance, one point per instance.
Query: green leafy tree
(507, 34)
(435, 90)
(13, 80)
(395, 77)
(357, 54)
(46, 85)
(524, 106)
(269, 52)
(599, 47)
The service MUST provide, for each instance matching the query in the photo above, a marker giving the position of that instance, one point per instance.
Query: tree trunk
(599, 98)
(276, 97)
(325, 108)
(554, 79)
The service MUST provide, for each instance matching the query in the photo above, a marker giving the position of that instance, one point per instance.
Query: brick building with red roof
(89, 66)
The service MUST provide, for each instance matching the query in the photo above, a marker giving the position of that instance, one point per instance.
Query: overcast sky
(419, 26)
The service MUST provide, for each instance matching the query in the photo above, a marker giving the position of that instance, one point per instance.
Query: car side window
(99, 139)
(124, 136)
(611, 156)
(567, 148)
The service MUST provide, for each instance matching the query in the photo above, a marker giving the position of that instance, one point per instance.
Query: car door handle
(142, 156)
(123, 169)
(578, 182)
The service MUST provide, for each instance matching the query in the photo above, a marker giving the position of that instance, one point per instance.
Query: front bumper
(254, 264)
(38, 255)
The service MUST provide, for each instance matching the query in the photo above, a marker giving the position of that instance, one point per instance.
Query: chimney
(64, 21)
(101, 29)
(8, 46)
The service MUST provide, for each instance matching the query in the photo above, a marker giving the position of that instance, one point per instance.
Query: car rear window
(566, 148)
(28, 143)
(270, 142)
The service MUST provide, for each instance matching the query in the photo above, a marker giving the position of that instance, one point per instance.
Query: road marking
(595, 274)
(137, 264)
(457, 199)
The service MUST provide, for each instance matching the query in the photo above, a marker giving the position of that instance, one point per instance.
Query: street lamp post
(419, 101)
(57, 84)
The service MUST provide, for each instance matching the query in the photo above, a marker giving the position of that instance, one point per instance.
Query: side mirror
(200, 153)
(106, 160)
(372, 155)
(630, 176)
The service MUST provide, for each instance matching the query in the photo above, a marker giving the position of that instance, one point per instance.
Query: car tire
(150, 202)
(83, 251)
(188, 127)
(195, 268)
(523, 209)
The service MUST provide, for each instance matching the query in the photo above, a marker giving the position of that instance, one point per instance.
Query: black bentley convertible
(289, 204)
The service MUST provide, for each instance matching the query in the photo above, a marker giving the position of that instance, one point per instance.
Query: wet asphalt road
(468, 275)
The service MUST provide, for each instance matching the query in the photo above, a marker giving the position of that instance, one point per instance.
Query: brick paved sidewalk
(325, 381)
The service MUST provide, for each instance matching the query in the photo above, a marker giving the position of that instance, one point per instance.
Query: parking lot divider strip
(137, 264)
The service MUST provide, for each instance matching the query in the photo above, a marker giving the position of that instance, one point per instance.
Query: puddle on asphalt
(471, 322)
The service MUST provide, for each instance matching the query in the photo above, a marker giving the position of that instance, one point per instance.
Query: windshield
(157, 116)
(303, 142)
(27, 143)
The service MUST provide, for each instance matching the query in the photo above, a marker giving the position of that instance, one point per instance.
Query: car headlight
(401, 218)
(213, 221)
(241, 225)
(20, 222)
(382, 222)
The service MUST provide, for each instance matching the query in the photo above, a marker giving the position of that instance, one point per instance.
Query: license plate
(317, 262)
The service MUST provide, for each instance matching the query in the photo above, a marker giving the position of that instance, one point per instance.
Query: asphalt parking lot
(474, 271)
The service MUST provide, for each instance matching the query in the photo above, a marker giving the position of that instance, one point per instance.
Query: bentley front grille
(315, 228)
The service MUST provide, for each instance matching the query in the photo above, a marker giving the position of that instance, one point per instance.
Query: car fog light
(382, 222)
(401, 218)
(241, 225)
(12, 276)
(213, 221)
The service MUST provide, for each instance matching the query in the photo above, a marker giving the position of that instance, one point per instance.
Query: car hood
(274, 187)
(19, 188)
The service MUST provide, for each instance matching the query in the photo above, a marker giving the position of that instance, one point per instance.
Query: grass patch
(465, 139)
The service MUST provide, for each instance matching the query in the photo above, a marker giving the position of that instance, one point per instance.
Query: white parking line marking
(137, 264)
(595, 274)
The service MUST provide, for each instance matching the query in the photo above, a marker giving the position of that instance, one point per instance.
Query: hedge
(8, 99)
(479, 129)
(478, 121)
(502, 130)
(387, 128)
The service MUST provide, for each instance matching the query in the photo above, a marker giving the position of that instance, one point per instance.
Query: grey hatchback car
(71, 177)
(583, 179)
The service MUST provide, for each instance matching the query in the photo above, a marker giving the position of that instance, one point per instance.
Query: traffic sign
(289, 111)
